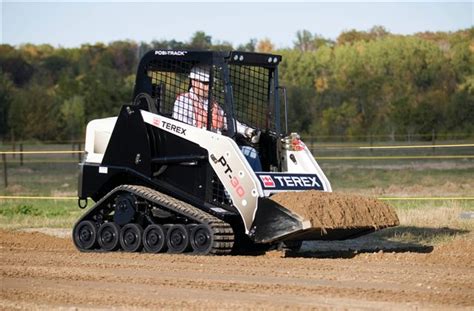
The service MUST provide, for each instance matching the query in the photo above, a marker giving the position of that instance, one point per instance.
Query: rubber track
(223, 233)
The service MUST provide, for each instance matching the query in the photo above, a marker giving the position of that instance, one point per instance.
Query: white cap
(200, 73)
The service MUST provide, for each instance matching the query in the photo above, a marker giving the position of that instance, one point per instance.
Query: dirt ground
(40, 271)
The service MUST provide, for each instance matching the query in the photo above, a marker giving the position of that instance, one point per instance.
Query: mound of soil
(329, 210)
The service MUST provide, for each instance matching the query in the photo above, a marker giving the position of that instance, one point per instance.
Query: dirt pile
(328, 210)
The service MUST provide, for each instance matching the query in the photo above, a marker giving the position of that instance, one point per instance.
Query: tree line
(363, 83)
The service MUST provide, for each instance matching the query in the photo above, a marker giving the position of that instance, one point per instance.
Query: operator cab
(244, 86)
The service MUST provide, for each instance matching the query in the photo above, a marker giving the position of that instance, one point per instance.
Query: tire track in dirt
(40, 270)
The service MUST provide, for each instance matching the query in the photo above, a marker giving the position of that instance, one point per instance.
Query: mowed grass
(40, 174)
(412, 178)
(17, 214)
(431, 222)
(42, 179)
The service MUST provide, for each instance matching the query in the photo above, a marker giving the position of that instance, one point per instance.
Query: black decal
(222, 161)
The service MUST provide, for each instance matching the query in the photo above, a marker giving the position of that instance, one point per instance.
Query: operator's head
(199, 76)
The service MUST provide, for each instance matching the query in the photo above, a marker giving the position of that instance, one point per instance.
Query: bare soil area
(41, 271)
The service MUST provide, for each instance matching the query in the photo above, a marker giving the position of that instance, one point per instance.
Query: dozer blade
(317, 215)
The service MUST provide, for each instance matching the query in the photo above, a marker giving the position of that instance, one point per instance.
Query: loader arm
(225, 158)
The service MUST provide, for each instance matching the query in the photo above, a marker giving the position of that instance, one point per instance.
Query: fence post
(21, 154)
(14, 149)
(5, 175)
(79, 153)
(433, 139)
(371, 143)
(73, 147)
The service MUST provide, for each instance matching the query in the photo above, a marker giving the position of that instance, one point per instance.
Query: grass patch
(388, 180)
(43, 179)
(15, 214)
(21, 209)
(430, 223)
(426, 206)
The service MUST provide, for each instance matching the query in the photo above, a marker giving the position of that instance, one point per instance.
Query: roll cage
(244, 84)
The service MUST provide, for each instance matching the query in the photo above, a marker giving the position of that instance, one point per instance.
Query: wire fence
(50, 171)
(432, 137)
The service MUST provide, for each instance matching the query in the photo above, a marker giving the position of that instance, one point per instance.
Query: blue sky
(70, 24)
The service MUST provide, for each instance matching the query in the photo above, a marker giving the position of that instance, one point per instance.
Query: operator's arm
(252, 134)
(242, 128)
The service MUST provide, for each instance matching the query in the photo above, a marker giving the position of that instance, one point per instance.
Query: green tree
(249, 46)
(34, 114)
(73, 117)
(6, 97)
(304, 41)
(367, 82)
(200, 41)
(17, 67)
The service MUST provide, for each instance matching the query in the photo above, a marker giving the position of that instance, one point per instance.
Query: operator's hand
(253, 135)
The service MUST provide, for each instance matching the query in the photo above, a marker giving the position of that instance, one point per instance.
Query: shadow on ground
(393, 240)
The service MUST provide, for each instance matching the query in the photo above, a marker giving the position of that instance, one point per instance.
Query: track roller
(108, 236)
(154, 239)
(131, 237)
(177, 238)
(84, 235)
(202, 239)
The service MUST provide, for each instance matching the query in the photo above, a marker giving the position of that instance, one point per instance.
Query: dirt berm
(329, 210)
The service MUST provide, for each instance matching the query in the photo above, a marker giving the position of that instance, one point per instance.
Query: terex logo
(286, 181)
(297, 181)
(267, 181)
(155, 122)
(174, 128)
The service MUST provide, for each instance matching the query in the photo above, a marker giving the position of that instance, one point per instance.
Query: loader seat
(98, 134)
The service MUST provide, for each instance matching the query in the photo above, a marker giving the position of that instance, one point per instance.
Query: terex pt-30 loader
(199, 163)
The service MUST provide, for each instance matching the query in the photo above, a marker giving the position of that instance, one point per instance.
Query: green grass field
(16, 214)
(422, 221)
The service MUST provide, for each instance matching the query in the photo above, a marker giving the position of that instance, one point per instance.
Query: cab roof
(214, 57)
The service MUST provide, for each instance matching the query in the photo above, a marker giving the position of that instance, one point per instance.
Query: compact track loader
(164, 183)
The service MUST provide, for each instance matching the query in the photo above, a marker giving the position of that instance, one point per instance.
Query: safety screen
(253, 95)
(181, 90)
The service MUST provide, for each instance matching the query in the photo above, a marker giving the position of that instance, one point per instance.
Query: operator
(192, 107)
